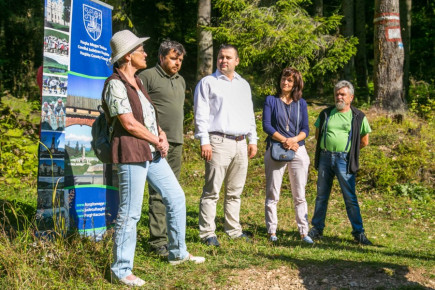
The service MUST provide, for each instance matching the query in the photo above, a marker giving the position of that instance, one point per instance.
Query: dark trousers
(157, 210)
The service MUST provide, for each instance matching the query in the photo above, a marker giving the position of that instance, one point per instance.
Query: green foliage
(421, 99)
(399, 154)
(273, 37)
(415, 191)
(18, 142)
(422, 53)
(21, 37)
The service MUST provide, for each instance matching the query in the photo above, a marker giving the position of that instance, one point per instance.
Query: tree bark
(348, 31)
(318, 11)
(389, 56)
(405, 23)
(361, 54)
(205, 40)
(318, 8)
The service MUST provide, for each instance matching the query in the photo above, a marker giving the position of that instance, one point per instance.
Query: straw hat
(122, 42)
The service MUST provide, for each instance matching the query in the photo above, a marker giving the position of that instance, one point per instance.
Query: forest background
(321, 39)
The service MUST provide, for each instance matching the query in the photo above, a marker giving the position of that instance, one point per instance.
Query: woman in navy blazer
(285, 120)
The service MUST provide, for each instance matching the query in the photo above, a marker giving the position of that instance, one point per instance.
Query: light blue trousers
(132, 179)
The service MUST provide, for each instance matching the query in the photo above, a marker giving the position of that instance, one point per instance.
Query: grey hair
(343, 84)
(168, 45)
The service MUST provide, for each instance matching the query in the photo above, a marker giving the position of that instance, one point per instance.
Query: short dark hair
(298, 82)
(168, 45)
(229, 46)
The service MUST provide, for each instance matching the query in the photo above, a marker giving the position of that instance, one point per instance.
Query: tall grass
(395, 191)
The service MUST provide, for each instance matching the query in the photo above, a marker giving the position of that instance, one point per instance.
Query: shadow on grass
(350, 274)
(15, 215)
(336, 243)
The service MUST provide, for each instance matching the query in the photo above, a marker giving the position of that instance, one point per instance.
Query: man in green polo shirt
(166, 89)
(342, 130)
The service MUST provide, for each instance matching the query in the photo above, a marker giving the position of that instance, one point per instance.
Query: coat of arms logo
(93, 21)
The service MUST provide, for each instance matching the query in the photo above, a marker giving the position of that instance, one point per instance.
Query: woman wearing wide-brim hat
(139, 146)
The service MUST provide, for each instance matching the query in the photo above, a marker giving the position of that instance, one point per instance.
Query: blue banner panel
(91, 31)
(93, 208)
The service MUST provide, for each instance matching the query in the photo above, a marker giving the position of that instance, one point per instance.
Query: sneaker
(137, 282)
(162, 251)
(273, 239)
(307, 240)
(211, 241)
(362, 239)
(314, 234)
(189, 257)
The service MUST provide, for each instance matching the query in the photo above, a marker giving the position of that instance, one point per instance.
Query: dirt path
(329, 277)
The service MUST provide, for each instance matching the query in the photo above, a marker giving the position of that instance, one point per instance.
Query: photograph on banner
(52, 219)
(85, 87)
(54, 145)
(58, 14)
(80, 157)
(51, 167)
(71, 181)
(91, 31)
(54, 85)
(53, 116)
(51, 182)
(46, 197)
(56, 51)
(110, 177)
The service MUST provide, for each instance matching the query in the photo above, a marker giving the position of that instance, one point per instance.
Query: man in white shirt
(224, 118)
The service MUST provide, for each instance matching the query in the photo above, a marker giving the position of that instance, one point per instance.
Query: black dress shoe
(211, 241)
(162, 251)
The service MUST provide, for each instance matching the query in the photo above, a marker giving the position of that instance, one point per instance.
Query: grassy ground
(395, 190)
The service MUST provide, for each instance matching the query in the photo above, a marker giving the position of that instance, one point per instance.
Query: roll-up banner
(75, 190)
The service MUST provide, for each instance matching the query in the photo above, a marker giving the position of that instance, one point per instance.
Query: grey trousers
(229, 165)
(298, 174)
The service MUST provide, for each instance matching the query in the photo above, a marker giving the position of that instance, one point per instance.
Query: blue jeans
(132, 179)
(334, 164)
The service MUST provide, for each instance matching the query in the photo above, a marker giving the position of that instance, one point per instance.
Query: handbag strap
(297, 120)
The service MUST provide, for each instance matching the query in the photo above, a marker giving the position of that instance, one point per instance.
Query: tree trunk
(361, 54)
(205, 40)
(405, 23)
(318, 11)
(348, 31)
(389, 56)
(318, 8)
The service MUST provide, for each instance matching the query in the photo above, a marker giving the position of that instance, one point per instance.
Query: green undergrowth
(395, 190)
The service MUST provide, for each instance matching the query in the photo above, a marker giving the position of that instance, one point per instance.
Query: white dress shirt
(225, 106)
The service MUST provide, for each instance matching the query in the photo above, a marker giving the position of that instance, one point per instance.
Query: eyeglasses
(141, 50)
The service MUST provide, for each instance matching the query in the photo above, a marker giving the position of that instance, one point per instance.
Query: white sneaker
(189, 257)
(133, 283)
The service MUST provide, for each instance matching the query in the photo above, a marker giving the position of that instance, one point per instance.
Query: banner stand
(74, 191)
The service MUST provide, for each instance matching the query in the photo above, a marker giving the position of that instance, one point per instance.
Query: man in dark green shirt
(166, 89)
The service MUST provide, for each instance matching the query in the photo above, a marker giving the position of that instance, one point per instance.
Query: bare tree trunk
(405, 23)
(361, 54)
(318, 11)
(389, 56)
(205, 40)
(348, 31)
(318, 8)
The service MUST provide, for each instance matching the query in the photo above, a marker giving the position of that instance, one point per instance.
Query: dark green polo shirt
(167, 93)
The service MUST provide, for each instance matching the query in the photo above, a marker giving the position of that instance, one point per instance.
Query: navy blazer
(276, 114)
